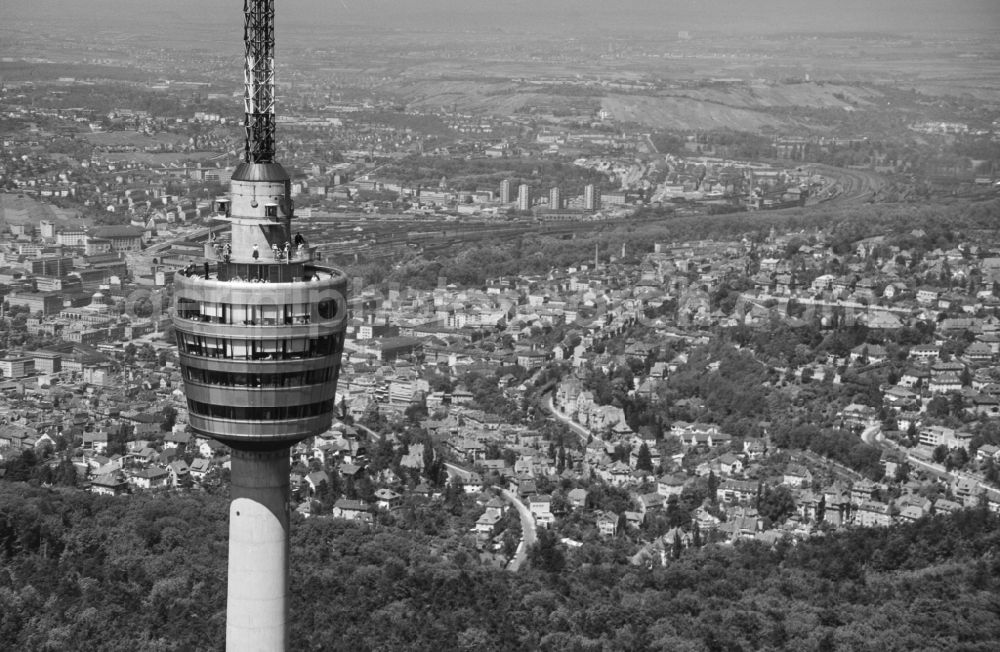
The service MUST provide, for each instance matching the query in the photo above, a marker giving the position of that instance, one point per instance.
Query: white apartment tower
(505, 197)
(591, 197)
(555, 199)
(524, 197)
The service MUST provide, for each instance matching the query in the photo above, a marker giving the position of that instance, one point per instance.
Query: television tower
(260, 332)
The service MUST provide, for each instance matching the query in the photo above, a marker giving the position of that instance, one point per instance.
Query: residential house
(151, 478)
(487, 523)
(987, 452)
(797, 475)
(863, 491)
(741, 527)
(943, 506)
(671, 484)
(109, 484)
(915, 376)
(178, 471)
(540, 506)
(315, 481)
(633, 520)
(979, 352)
(858, 415)
(607, 524)
(873, 514)
(900, 397)
(928, 296)
(577, 498)
(353, 510)
(95, 441)
(387, 499)
(754, 448)
(199, 468)
(737, 490)
(944, 382)
(651, 502)
(730, 464)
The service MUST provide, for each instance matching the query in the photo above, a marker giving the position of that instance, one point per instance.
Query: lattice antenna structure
(258, 80)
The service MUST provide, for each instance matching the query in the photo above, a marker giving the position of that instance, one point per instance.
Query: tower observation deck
(260, 333)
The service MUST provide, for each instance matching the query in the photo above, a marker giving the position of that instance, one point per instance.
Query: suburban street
(873, 437)
(581, 432)
(528, 536)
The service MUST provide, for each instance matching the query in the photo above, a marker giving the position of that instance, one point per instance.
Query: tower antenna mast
(258, 80)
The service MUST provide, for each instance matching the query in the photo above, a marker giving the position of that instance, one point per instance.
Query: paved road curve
(528, 533)
(580, 431)
(873, 436)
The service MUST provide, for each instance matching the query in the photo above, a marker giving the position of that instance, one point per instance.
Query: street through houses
(873, 437)
(528, 536)
(580, 431)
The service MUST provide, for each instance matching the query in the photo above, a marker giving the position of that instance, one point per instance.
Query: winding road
(529, 535)
(580, 431)
(873, 437)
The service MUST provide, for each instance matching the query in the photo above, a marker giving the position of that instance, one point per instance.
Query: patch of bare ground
(748, 107)
(758, 96)
(22, 209)
(681, 113)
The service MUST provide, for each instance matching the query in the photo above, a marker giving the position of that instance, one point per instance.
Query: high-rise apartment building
(591, 197)
(555, 199)
(524, 197)
(505, 196)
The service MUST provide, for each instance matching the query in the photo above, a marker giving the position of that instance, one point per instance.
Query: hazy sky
(553, 16)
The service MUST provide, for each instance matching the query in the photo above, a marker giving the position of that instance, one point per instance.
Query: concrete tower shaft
(257, 601)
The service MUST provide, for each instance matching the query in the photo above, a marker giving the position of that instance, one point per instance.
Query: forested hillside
(81, 572)
(472, 264)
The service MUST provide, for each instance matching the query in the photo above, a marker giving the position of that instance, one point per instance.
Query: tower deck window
(327, 308)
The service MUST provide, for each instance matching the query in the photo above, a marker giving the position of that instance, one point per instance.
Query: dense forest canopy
(148, 572)
(476, 174)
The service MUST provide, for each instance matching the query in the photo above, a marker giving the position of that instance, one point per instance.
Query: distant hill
(737, 106)
(558, 17)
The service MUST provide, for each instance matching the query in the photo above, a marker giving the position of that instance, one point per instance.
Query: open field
(130, 139)
(160, 158)
(22, 209)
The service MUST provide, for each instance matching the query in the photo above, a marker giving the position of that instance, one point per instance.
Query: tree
(776, 503)
(938, 407)
(428, 454)
(66, 474)
(957, 458)
(169, 418)
(644, 461)
(713, 485)
(416, 411)
(509, 542)
(546, 555)
(678, 546)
